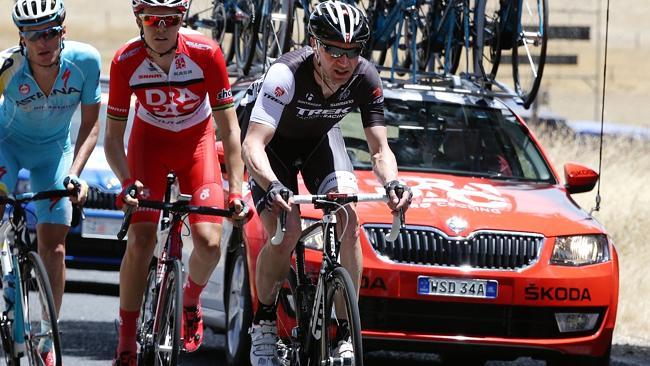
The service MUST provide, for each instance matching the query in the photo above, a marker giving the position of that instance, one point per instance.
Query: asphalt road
(89, 336)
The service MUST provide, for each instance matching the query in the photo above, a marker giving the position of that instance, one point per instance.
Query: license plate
(100, 227)
(482, 289)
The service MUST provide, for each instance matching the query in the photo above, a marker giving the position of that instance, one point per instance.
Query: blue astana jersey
(27, 115)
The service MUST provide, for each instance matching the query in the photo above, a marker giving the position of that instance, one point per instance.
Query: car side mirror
(579, 178)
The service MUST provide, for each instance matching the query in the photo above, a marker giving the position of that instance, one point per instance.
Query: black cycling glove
(276, 187)
(399, 189)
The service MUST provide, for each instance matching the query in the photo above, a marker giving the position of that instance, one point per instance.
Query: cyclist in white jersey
(291, 118)
(43, 81)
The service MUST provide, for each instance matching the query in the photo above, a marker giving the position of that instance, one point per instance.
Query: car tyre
(239, 312)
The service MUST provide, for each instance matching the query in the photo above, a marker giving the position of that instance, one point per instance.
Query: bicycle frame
(311, 299)
(17, 255)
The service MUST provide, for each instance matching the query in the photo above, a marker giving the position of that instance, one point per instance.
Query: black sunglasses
(47, 34)
(338, 52)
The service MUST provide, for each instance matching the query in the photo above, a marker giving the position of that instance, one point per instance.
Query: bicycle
(23, 271)
(320, 309)
(159, 326)
(520, 26)
(232, 23)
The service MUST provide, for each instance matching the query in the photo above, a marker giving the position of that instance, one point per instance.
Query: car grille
(471, 320)
(483, 249)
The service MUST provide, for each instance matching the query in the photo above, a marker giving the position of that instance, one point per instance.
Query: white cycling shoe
(264, 339)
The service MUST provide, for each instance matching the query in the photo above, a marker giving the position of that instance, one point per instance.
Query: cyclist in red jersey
(180, 81)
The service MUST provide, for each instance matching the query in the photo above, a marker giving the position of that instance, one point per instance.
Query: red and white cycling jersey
(176, 100)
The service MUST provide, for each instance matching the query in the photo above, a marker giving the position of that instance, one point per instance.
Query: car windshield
(452, 138)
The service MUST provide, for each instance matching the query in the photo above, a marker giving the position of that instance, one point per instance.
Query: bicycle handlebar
(36, 196)
(341, 199)
(180, 207)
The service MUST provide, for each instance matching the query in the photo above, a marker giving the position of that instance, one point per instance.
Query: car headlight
(580, 250)
(315, 240)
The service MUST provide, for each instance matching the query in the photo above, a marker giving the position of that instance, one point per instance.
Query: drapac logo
(180, 63)
(433, 192)
(171, 102)
(24, 89)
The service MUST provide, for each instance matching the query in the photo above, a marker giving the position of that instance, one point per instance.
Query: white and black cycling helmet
(181, 5)
(339, 21)
(37, 12)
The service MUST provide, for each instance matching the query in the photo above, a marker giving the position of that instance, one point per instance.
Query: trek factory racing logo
(333, 113)
(172, 102)
(432, 192)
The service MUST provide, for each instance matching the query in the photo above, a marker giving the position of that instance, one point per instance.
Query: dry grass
(625, 214)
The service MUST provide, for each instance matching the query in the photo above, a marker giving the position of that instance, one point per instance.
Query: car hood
(468, 204)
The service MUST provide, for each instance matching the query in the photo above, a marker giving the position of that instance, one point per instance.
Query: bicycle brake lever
(281, 226)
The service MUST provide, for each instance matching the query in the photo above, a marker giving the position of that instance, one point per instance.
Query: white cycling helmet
(37, 12)
(181, 5)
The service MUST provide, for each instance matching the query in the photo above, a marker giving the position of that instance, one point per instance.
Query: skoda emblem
(456, 224)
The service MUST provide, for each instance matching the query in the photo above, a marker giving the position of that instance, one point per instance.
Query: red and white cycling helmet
(181, 5)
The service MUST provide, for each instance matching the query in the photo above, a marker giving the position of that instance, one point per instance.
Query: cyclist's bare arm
(230, 135)
(384, 164)
(256, 160)
(115, 155)
(87, 137)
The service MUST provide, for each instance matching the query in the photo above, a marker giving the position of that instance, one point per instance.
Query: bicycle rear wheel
(167, 338)
(340, 305)
(245, 33)
(487, 47)
(276, 30)
(529, 48)
(38, 304)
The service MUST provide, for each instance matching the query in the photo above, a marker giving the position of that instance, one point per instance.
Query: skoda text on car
(495, 257)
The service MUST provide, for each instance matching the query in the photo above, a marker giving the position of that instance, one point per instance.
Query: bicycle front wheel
(341, 308)
(167, 338)
(39, 311)
(529, 49)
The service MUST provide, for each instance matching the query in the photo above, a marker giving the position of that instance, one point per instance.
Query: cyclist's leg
(147, 166)
(328, 169)
(273, 261)
(202, 179)
(48, 168)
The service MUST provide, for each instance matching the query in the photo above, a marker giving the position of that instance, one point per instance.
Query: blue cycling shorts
(48, 165)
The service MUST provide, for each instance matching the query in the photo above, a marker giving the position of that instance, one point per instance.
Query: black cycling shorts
(323, 163)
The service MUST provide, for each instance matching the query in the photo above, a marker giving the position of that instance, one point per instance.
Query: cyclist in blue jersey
(43, 80)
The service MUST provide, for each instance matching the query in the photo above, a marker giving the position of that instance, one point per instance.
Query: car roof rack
(465, 83)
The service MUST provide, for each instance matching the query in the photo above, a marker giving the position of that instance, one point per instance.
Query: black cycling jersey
(289, 99)
(307, 136)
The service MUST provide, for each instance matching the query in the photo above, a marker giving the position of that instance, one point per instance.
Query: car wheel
(239, 312)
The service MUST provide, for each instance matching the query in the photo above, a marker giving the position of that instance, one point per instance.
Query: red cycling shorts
(152, 152)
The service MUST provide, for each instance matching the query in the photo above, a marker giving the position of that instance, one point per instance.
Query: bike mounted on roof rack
(464, 84)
